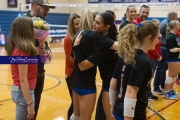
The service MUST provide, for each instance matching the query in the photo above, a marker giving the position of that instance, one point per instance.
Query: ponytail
(130, 35)
(113, 32)
(127, 43)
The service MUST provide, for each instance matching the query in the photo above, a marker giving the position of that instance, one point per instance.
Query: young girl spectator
(21, 42)
(173, 60)
(73, 28)
(132, 74)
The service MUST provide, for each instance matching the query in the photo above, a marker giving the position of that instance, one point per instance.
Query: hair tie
(138, 25)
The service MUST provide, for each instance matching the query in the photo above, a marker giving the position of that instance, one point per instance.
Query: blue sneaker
(168, 95)
(173, 93)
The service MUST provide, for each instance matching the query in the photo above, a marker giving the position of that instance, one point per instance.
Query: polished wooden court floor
(55, 98)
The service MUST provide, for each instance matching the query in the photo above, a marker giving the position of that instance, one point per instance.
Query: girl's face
(158, 23)
(177, 26)
(76, 25)
(99, 25)
(132, 13)
(154, 42)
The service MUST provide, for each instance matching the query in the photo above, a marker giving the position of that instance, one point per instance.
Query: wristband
(112, 96)
(129, 107)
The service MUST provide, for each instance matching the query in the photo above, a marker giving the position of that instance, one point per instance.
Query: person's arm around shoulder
(83, 64)
(174, 50)
(130, 102)
(114, 46)
(23, 73)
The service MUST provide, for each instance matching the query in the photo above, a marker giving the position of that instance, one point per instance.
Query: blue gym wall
(7, 17)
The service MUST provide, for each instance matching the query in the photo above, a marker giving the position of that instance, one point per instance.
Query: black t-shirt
(107, 67)
(172, 42)
(91, 42)
(106, 61)
(137, 75)
(124, 24)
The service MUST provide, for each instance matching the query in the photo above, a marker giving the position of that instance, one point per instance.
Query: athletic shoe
(173, 93)
(152, 97)
(159, 92)
(168, 95)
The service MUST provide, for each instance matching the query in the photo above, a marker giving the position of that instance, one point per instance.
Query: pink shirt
(32, 71)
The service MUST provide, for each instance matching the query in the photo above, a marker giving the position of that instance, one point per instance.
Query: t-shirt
(156, 53)
(137, 20)
(172, 42)
(106, 61)
(69, 68)
(124, 24)
(107, 67)
(137, 75)
(32, 71)
(91, 41)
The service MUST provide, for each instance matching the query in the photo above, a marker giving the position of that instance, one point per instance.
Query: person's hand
(41, 51)
(159, 59)
(78, 39)
(49, 55)
(31, 112)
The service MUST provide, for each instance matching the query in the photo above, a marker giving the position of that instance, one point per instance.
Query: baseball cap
(43, 2)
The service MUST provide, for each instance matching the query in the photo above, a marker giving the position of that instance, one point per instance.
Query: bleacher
(7, 18)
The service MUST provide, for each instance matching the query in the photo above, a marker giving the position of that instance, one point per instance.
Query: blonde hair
(70, 28)
(87, 19)
(130, 35)
(127, 42)
(155, 21)
(22, 36)
(170, 26)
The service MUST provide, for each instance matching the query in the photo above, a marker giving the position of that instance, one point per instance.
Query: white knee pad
(169, 80)
(73, 117)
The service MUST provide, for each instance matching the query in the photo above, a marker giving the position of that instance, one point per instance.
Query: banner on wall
(28, 1)
(131, 1)
(169, 0)
(147, 1)
(12, 3)
(93, 1)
